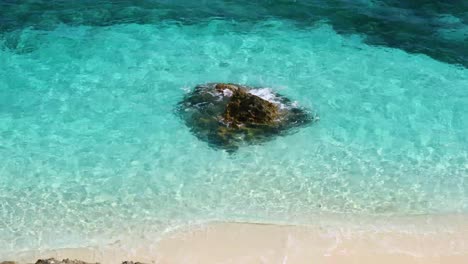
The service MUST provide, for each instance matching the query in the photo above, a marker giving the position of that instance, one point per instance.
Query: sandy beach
(424, 239)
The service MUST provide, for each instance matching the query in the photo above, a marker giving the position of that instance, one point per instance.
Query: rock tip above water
(228, 115)
(63, 261)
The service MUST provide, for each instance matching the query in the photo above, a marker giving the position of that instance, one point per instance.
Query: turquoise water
(91, 146)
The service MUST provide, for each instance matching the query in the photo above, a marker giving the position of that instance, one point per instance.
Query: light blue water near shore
(91, 147)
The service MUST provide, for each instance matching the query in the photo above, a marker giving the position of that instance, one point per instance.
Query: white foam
(269, 95)
(264, 93)
(227, 92)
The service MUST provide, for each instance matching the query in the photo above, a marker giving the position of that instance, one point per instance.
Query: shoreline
(416, 239)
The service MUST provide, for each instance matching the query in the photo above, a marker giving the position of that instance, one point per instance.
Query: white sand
(435, 239)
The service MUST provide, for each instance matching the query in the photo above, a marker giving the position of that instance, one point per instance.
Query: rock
(65, 261)
(8, 262)
(246, 109)
(228, 116)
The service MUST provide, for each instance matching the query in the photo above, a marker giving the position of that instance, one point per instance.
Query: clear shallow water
(91, 146)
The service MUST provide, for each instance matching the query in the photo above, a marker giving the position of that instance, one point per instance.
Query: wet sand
(434, 239)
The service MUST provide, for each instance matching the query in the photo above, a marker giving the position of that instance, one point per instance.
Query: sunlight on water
(91, 146)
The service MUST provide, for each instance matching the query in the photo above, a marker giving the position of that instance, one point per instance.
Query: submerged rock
(230, 115)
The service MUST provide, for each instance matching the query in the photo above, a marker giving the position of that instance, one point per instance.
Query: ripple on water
(92, 148)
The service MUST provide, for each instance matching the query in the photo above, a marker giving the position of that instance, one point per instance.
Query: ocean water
(92, 149)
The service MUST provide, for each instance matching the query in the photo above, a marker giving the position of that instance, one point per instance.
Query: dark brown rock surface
(246, 109)
(64, 261)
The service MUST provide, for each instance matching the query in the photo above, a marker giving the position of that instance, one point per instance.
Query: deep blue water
(91, 147)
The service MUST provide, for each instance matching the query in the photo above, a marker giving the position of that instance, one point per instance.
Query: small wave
(269, 95)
